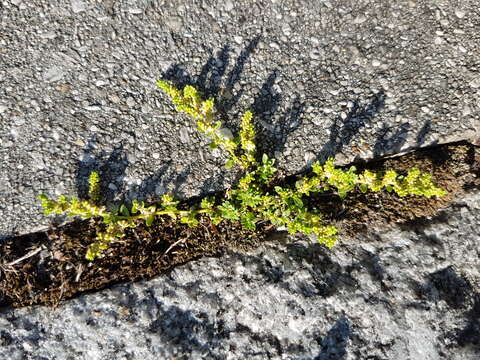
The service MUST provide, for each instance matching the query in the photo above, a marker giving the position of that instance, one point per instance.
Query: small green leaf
(228, 211)
(149, 220)
(207, 203)
(124, 210)
(189, 219)
(94, 187)
(216, 219)
(298, 202)
(108, 218)
(342, 194)
(229, 164)
(134, 209)
(265, 159)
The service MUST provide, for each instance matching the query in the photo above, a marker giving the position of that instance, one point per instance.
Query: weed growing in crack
(253, 200)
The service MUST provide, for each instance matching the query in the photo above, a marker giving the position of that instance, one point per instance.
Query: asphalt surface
(351, 79)
(399, 293)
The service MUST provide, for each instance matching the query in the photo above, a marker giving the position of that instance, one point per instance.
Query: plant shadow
(111, 167)
(447, 285)
(388, 139)
(459, 294)
(224, 86)
(343, 131)
(334, 344)
(470, 334)
(213, 80)
(220, 78)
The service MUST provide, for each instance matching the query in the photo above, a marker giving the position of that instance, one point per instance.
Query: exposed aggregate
(344, 78)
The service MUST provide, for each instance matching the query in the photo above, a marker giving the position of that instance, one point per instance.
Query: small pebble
(274, 45)
(184, 136)
(93, 107)
(238, 39)
(475, 83)
(114, 99)
(460, 13)
(78, 6)
(228, 5)
(146, 108)
(315, 55)
(130, 102)
(360, 19)
(135, 11)
(53, 74)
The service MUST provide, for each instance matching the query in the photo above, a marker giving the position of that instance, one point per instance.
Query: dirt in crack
(45, 268)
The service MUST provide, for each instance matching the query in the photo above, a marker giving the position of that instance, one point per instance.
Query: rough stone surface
(325, 78)
(405, 293)
(345, 78)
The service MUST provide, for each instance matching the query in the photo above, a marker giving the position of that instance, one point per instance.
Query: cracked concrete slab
(347, 79)
(350, 79)
(404, 292)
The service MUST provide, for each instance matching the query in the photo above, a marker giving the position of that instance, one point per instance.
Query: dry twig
(26, 256)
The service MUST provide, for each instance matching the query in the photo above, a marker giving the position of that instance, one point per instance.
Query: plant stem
(165, 212)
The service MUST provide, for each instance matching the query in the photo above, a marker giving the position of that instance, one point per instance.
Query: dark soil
(57, 269)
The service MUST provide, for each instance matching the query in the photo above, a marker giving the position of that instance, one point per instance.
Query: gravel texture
(325, 78)
(402, 293)
(345, 78)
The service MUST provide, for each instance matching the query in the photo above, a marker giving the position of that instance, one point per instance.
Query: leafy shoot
(255, 198)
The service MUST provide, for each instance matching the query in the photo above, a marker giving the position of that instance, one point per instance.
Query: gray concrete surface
(324, 78)
(403, 293)
(344, 78)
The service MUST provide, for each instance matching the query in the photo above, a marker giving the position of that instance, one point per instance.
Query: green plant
(254, 199)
